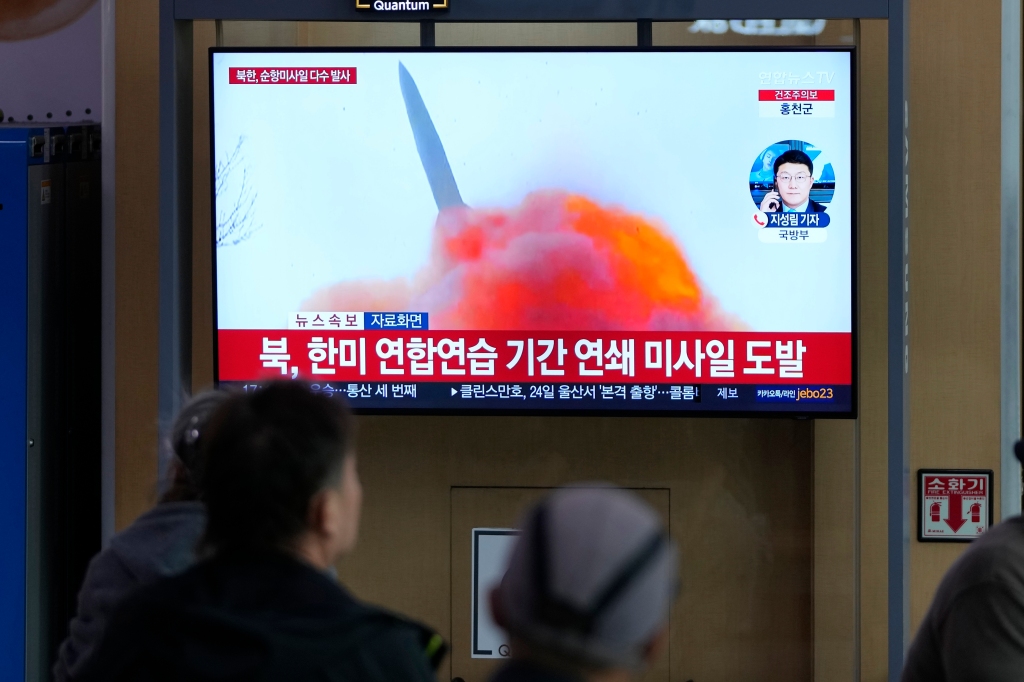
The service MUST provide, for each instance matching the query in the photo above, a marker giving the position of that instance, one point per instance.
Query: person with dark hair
(159, 543)
(588, 588)
(283, 502)
(974, 628)
(794, 175)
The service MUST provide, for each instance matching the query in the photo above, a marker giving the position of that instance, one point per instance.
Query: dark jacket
(974, 629)
(259, 617)
(160, 543)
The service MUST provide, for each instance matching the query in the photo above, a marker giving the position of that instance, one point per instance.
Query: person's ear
(319, 519)
(656, 646)
(498, 609)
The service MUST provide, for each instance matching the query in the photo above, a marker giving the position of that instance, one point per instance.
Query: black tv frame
(553, 412)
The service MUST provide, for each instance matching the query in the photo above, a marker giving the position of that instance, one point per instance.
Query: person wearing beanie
(587, 590)
(974, 628)
(159, 543)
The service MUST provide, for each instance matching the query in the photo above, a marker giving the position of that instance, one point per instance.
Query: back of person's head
(269, 454)
(590, 582)
(185, 443)
(793, 156)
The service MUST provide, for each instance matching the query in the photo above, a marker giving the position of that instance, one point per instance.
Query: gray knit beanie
(592, 576)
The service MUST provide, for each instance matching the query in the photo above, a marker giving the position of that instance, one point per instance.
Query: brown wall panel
(741, 511)
(319, 34)
(260, 33)
(954, 254)
(204, 36)
(851, 457)
(351, 34)
(536, 34)
(872, 424)
(136, 143)
(834, 573)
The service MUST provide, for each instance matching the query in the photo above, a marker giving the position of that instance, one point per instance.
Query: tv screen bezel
(851, 50)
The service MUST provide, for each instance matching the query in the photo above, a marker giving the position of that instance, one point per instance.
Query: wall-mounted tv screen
(599, 230)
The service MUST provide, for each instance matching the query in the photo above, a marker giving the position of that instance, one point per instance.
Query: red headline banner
(796, 95)
(515, 356)
(280, 75)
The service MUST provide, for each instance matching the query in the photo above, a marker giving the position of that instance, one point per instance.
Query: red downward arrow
(956, 518)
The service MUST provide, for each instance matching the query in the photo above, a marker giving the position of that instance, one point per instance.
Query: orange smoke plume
(557, 262)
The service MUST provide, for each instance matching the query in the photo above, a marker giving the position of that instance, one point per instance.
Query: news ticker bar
(581, 396)
(514, 357)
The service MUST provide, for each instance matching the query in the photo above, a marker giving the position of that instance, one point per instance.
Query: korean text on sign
(683, 357)
(279, 75)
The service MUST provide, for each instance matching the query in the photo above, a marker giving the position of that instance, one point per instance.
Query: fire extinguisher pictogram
(975, 513)
(935, 510)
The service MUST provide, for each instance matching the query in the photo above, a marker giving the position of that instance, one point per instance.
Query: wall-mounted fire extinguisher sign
(955, 504)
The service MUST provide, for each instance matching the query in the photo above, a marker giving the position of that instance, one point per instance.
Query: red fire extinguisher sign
(955, 504)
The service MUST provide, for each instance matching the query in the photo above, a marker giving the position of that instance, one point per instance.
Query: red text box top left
(287, 75)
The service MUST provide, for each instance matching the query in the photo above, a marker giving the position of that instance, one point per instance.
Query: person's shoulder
(392, 625)
(163, 515)
(996, 557)
(139, 619)
(162, 541)
(1001, 544)
(149, 606)
(106, 583)
(815, 207)
(173, 591)
(108, 575)
(391, 646)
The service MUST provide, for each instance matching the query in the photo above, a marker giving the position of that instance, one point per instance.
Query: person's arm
(982, 636)
(106, 583)
(124, 638)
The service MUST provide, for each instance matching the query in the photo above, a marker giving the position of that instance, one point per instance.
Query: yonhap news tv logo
(402, 5)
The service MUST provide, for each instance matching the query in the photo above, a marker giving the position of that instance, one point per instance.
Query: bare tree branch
(237, 223)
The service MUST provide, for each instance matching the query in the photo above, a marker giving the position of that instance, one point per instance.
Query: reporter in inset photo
(794, 175)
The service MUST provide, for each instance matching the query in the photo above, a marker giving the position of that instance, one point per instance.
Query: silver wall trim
(175, 278)
(899, 336)
(1010, 256)
(108, 246)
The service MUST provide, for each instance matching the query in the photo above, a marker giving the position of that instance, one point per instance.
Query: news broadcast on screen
(615, 231)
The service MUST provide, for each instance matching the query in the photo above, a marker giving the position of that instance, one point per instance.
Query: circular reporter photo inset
(791, 176)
